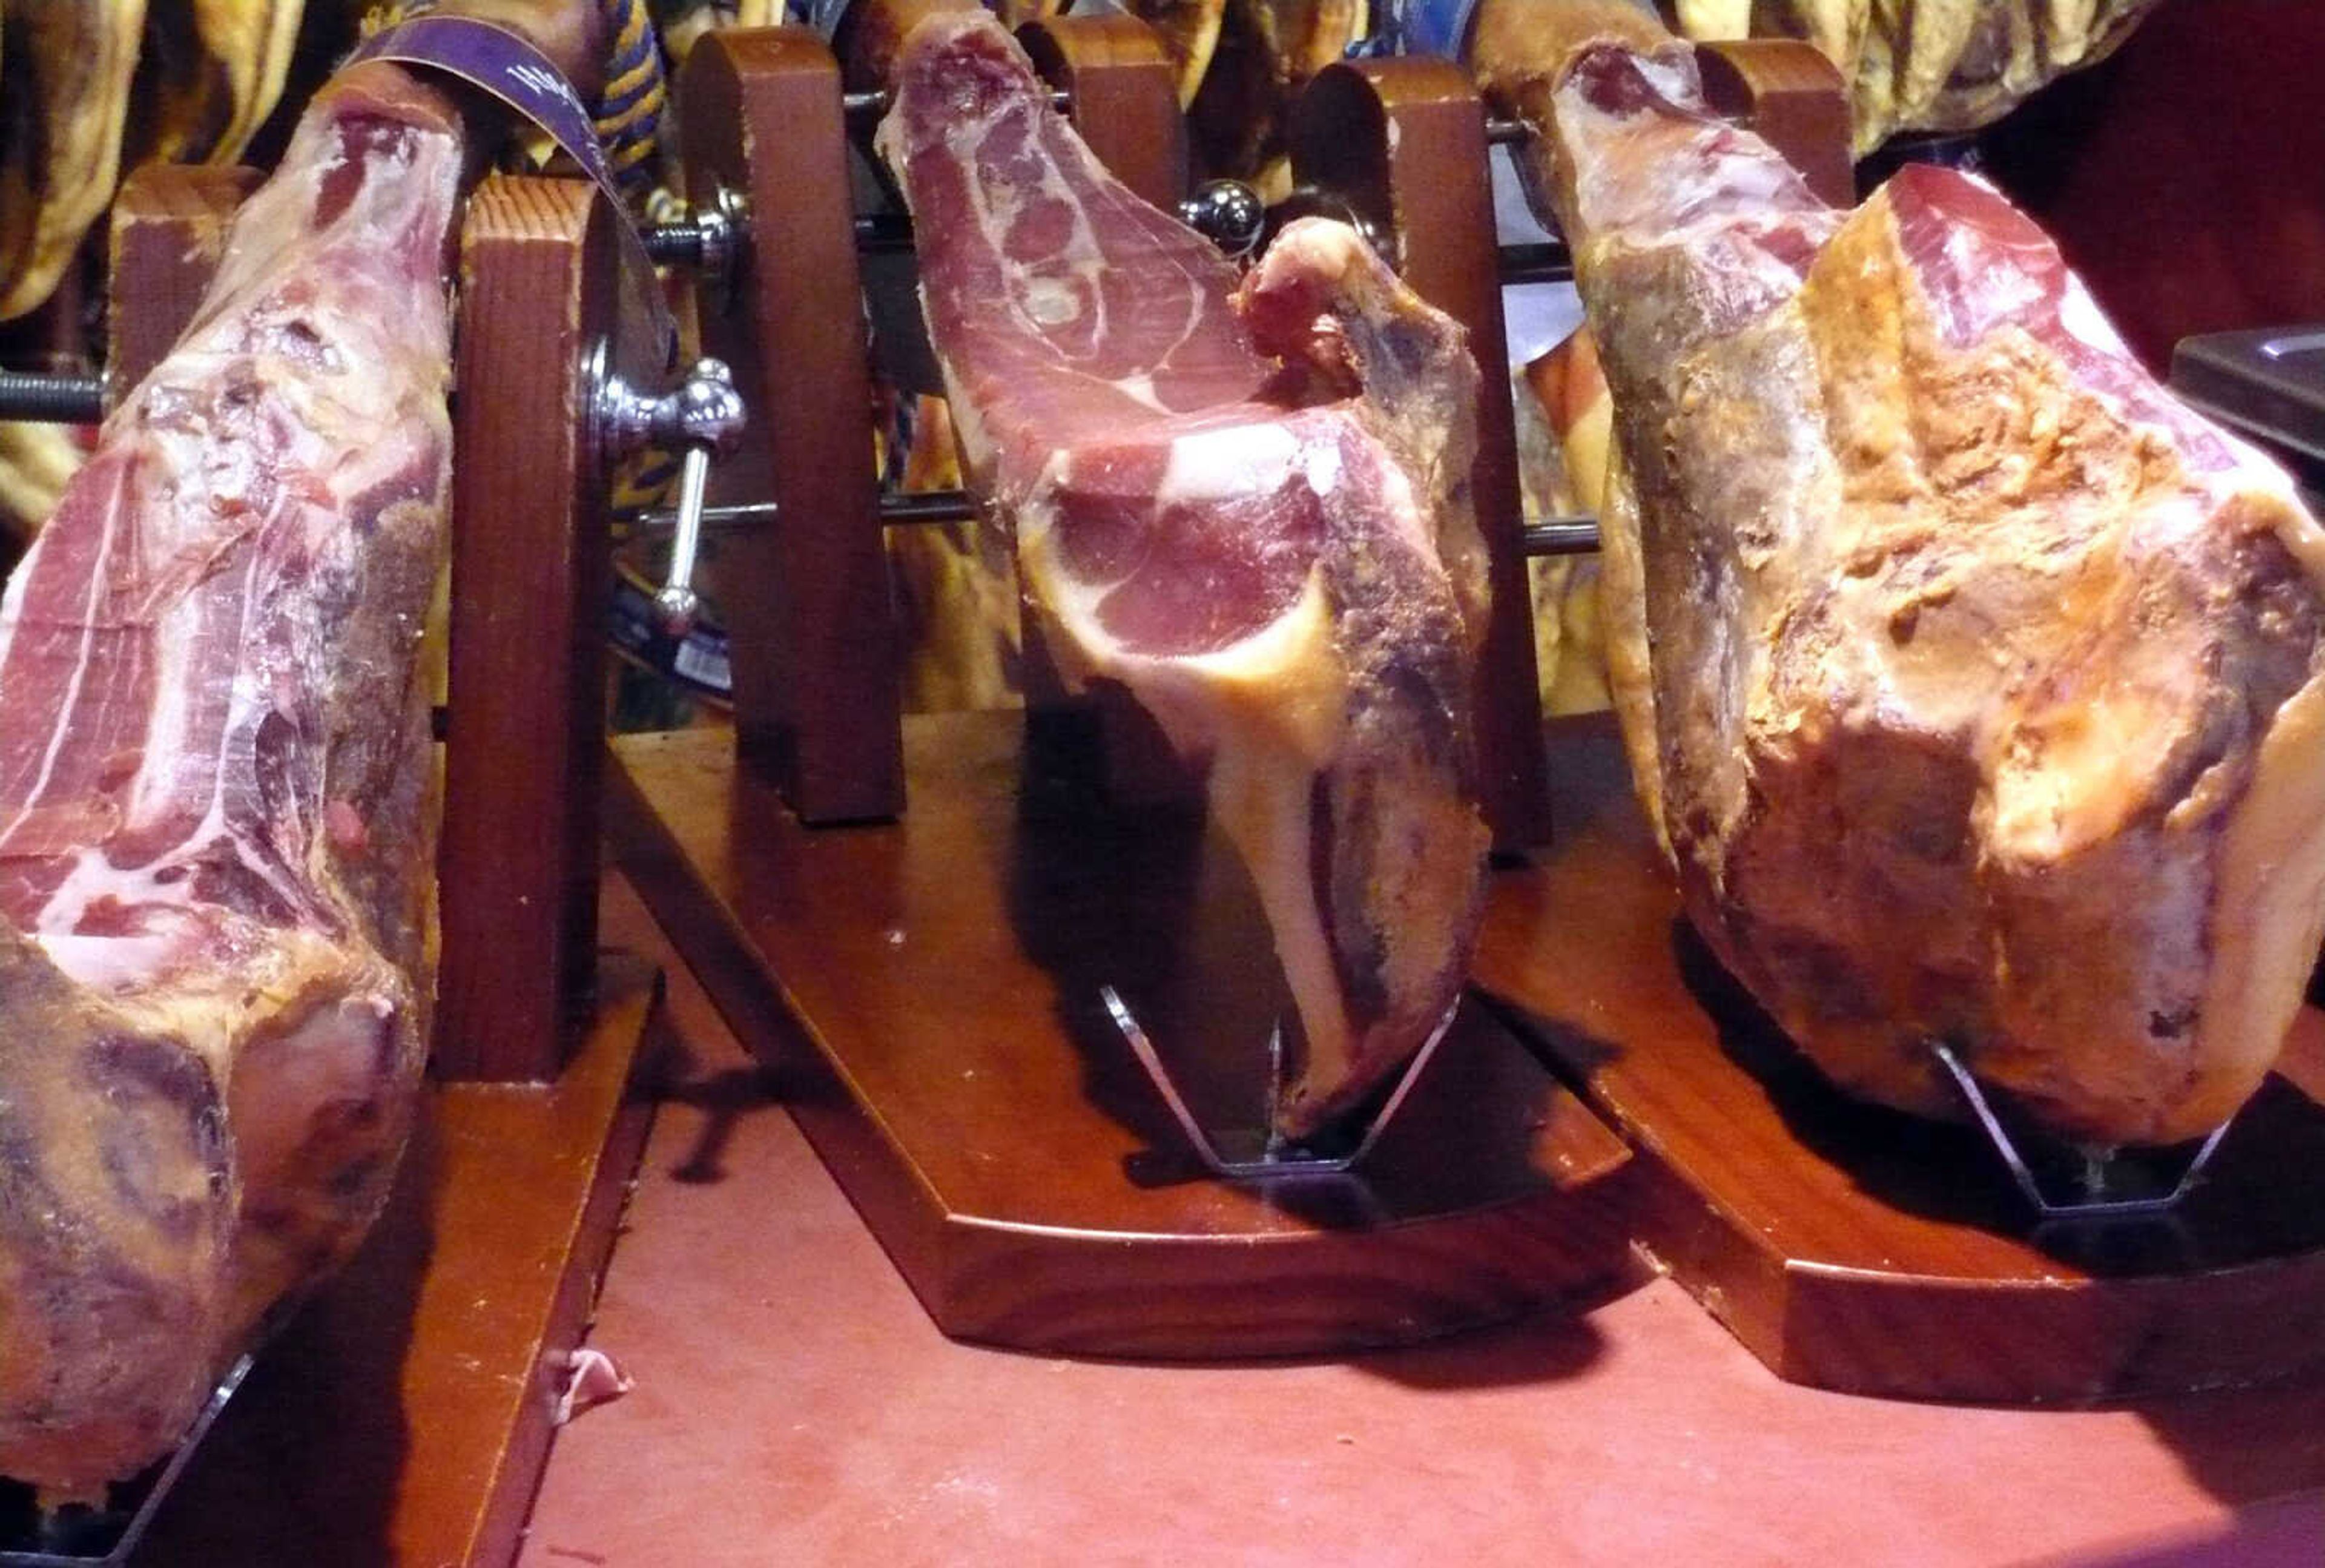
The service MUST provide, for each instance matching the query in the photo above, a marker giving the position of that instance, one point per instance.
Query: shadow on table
(721, 1096)
(1549, 1347)
(2249, 1446)
(2289, 1532)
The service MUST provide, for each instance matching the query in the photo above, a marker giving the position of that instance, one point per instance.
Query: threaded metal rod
(51, 399)
(673, 243)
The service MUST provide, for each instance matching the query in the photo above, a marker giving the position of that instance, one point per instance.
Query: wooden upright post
(1793, 96)
(168, 236)
(1123, 97)
(812, 626)
(525, 736)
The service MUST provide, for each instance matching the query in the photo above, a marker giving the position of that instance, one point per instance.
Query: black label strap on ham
(216, 814)
(1976, 684)
(1247, 506)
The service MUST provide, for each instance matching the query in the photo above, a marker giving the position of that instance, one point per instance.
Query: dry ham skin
(1248, 506)
(1973, 681)
(217, 917)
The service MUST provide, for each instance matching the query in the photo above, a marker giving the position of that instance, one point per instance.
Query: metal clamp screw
(709, 239)
(701, 418)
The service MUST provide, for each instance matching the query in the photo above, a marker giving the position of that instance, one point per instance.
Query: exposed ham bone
(1243, 509)
(1974, 682)
(216, 905)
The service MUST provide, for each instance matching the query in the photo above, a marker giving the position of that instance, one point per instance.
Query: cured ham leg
(1974, 683)
(1243, 506)
(217, 899)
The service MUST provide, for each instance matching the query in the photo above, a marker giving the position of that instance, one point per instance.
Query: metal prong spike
(1274, 1164)
(2048, 1208)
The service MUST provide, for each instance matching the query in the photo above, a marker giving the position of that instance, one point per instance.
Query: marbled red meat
(1976, 684)
(1248, 506)
(216, 907)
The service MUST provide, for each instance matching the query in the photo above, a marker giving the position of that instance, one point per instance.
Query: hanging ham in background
(1972, 680)
(1249, 507)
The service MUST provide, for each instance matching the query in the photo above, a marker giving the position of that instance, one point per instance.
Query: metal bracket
(1276, 1160)
(2079, 1209)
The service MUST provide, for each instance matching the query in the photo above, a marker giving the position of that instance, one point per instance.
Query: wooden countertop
(794, 1405)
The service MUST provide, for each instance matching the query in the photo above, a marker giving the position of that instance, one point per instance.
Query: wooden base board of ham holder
(1855, 1248)
(404, 1414)
(929, 989)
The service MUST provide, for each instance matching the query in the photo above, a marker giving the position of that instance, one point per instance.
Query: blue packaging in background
(1434, 26)
(823, 16)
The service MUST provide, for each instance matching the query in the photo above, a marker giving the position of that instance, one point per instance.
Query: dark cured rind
(1407, 376)
(112, 1245)
(1379, 864)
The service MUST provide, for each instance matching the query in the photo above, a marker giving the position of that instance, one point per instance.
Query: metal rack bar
(1552, 536)
(865, 109)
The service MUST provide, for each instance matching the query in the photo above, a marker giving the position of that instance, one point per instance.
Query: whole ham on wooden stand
(1972, 681)
(217, 800)
(1248, 506)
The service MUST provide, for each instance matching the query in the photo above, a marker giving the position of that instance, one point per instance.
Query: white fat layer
(1140, 389)
(97, 580)
(1229, 463)
(2081, 315)
(1049, 302)
(111, 964)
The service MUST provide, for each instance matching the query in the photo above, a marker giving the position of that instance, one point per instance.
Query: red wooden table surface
(794, 1406)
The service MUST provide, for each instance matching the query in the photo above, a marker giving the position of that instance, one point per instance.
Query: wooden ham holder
(404, 1411)
(930, 987)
